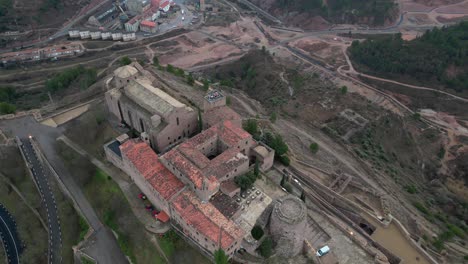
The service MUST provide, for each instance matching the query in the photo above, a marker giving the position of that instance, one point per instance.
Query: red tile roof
(163, 217)
(186, 167)
(207, 220)
(219, 114)
(147, 23)
(145, 160)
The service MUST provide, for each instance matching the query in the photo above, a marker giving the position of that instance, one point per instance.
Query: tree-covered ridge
(440, 55)
(345, 11)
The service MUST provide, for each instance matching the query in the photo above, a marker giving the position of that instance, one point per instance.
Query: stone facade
(135, 102)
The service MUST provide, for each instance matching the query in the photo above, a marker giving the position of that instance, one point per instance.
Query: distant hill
(437, 58)
(298, 12)
(22, 15)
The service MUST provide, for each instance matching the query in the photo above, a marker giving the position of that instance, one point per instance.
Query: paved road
(104, 248)
(9, 236)
(48, 199)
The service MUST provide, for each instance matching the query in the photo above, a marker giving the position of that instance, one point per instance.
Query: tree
(170, 68)
(256, 232)
(303, 197)
(200, 121)
(276, 142)
(266, 248)
(206, 84)
(251, 126)
(314, 147)
(288, 187)
(190, 79)
(155, 61)
(125, 61)
(228, 100)
(257, 168)
(245, 181)
(344, 89)
(220, 257)
(284, 160)
(283, 180)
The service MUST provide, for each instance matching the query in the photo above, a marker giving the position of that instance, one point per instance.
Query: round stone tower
(288, 225)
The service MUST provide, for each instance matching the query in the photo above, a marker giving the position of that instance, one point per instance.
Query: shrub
(206, 86)
(344, 89)
(273, 117)
(422, 208)
(245, 181)
(266, 248)
(257, 232)
(314, 147)
(251, 126)
(155, 61)
(276, 142)
(284, 160)
(220, 257)
(125, 61)
(411, 189)
(6, 108)
(170, 68)
(190, 80)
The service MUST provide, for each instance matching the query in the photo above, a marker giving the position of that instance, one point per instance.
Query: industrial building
(191, 181)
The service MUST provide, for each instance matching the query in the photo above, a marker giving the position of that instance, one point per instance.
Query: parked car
(324, 250)
(142, 196)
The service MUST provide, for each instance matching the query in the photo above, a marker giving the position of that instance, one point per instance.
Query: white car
(324, 250)
(183, 18)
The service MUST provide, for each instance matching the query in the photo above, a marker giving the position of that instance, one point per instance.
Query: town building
(95, 35)
(160, 118)
(85, 34)
(132, 24)
(31, 55)
(128, 37)
(148, 26)
(116, 36)
(74, 33)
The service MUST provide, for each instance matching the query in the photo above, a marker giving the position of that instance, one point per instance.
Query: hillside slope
(305, 13)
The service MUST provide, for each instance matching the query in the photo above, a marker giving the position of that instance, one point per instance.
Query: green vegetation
(439, 56)
(257, 232)
(85, 260)
(170, 68)
(245, 181)
(284, 160)
(168, 241)
(348, 11)
(155, 61)
(423, 209)
(266, 248)
(125, 61)
(220, 257)
(228, 100)
(275, 141)
(273, 117)
(5, 6)
(441, 152)
(81, 75)
(344, 89)
(251, 127)
(206, 84)
(84, 227)
(256, 171)
(190, 80)
(31, 233)
(314, 147)
(411, 189)
(111, 206)
(48, 4)
(6, 108)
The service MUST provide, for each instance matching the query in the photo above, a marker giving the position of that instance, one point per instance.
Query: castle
(180, 173)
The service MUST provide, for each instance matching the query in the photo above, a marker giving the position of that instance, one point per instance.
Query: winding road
(9, 236)
(41, 178)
